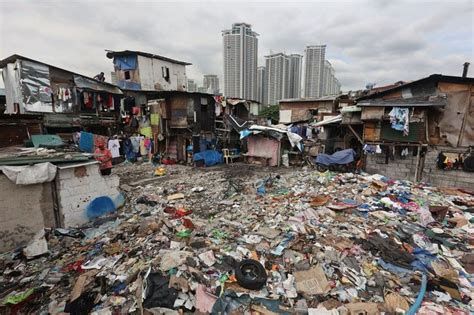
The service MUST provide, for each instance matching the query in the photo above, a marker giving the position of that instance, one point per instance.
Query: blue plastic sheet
(86, 143)
(127, 85)
(339, 157)
(210, 157)
(401, 272)
(423, 259)
(125, 62)
(245, 133)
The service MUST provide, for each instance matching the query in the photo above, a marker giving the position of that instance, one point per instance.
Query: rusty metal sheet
(451, 118)
(371, 131)
(179, 112)
(468, 133)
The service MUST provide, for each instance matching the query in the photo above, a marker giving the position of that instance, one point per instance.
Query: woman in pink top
(104, 156)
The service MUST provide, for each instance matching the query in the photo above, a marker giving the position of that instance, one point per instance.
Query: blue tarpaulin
(210, 157)
(125, 62)
(339, 157)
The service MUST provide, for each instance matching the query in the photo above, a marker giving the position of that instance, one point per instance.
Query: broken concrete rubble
(369, 253)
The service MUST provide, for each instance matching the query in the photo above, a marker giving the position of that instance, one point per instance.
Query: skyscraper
(240, 46)
(314, 70)
(295, 71)
(192, 86)
(211, 83)
(283, 77)
(336, 86)
(277, 67)
(328, 79)
(261, 85)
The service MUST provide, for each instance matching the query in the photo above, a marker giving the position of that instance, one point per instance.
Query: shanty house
(136, 70)
(409, 125)
(303, 109)
(41, 98)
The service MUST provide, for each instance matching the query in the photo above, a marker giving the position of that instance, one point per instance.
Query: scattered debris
(315, 243)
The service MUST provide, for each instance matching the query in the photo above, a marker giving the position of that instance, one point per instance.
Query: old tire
(250, 274)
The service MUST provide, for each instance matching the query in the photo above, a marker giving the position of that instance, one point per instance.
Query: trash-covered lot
(244, 239)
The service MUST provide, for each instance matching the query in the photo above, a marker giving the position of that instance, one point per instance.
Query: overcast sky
(381, 41)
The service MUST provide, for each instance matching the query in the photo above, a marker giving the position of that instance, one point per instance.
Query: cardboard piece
(179, 283)
(207, 258)
(311, 281)
(204, 300)
(175, 196)
(362, 308)
(82, 281)
(395, 301)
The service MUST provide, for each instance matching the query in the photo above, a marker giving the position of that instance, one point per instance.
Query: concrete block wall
(451, 178)
(405, 169)
(77, 187)
(21, 212)
(397, 168)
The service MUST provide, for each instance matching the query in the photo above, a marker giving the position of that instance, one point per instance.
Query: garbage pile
(243, 241)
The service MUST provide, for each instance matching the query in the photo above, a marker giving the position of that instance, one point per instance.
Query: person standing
(114, 147)
(104, 156)
(100, 77)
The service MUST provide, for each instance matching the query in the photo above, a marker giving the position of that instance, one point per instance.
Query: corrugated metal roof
(316, 99)
(408, 102)
(433, 77)
(15, 57)
(110, 54)
(398, 104)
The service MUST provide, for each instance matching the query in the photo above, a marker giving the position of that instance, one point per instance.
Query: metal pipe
(465, 69)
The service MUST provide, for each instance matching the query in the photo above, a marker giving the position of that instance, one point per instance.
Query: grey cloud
(367, 41)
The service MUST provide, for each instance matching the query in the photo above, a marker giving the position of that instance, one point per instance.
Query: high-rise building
(283, 77)
(295, 72)
(331, 83)
(240, 46)
(211, 83)
(314, 70)
(261, 85)
(277, 70)
(192, 86)
(336, 87)
(328, 79)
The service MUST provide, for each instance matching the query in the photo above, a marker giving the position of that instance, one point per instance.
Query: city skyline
(420, 40)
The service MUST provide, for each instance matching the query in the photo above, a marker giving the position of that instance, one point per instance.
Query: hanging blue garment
(128, 149)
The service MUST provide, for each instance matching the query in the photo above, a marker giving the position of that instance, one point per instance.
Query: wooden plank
(355, 134)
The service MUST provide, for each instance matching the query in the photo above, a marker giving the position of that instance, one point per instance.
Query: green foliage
(272, 112)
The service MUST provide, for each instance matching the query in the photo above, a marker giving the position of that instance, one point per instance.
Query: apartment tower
(261, 85)
(211, 83)
(295, 72)
(277, 70)
(240, 46)
(314, 70)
